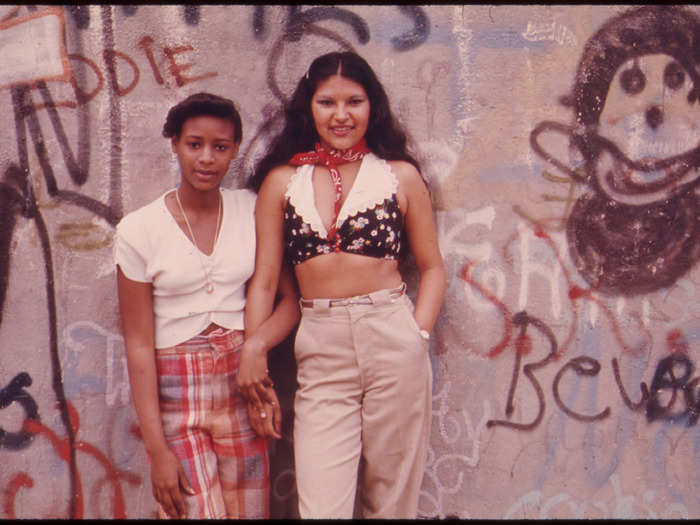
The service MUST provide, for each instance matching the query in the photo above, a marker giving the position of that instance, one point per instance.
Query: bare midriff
(337, 275)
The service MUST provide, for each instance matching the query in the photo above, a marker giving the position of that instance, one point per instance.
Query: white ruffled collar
(374, 183)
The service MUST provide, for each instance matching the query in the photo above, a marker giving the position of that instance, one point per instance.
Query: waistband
(379, 297)
(220, 336)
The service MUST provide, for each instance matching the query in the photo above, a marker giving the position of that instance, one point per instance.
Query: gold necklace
(210, 284)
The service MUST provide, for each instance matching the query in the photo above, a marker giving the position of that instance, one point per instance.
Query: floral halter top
(368, 223)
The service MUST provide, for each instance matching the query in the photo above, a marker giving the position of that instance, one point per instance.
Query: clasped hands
(258, 390)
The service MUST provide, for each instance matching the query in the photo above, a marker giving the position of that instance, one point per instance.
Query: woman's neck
(359, 145)
(198, 200)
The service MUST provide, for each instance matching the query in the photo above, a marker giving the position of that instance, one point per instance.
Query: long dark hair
(384, 136)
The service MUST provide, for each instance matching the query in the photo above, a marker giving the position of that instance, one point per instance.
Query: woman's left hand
(253, 379)
(268, 421)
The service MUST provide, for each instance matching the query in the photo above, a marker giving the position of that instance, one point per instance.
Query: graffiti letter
(529, 268)
(15, 392)
(190, 14)
(110, 56)
(642, 386)
(19, 480)
(418, 35)
(83, 97)
(80, 14)
(522, 347)
(665, 379)
(583, 366)
(177, 69)
(145, 43)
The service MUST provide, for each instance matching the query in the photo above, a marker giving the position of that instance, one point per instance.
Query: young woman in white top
(183, 262)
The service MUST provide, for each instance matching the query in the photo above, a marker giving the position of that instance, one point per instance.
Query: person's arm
(253, 362)
(422, 238)
(136, 309)
(265, 327)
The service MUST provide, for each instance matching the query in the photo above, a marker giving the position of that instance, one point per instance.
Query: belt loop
(317, 305)
(322, 306)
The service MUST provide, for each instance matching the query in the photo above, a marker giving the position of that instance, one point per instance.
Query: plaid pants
(206, 426)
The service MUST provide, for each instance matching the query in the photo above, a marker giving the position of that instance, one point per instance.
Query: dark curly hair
(384, 136)
(202, 104)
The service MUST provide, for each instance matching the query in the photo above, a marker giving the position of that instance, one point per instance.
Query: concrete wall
(565, 356)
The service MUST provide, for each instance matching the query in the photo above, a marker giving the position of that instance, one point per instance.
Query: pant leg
(195, 452)
(327, 424)
(396, 409)
(242, 456)
(185, 398)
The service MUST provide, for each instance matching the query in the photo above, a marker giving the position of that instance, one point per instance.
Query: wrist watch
(424, 334)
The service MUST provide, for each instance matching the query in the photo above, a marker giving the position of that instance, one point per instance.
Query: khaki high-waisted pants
(364, 394)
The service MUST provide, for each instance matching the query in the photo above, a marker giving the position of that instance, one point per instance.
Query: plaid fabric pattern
(206, 425)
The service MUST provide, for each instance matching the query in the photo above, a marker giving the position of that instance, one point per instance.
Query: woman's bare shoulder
(406, 173)
(278, 178)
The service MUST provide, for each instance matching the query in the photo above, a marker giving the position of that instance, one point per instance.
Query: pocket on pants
(411, 320)
(299, 339)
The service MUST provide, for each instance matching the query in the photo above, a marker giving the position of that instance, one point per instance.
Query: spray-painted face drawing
(635, 143)
(650, 125)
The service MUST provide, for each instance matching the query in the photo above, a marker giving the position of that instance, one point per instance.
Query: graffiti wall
(561, 148)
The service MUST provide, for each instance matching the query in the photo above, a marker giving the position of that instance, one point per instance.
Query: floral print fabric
(375, 232)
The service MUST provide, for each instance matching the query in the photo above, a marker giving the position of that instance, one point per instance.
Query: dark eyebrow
(199, 137)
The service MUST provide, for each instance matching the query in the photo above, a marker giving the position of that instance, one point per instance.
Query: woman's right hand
(168, 480)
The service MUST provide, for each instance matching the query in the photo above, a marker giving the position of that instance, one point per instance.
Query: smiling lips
(341, 130)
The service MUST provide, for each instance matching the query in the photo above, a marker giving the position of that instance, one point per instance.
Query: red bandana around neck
(331, 159)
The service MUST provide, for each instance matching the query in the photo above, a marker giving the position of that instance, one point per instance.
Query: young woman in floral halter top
(341, 200)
